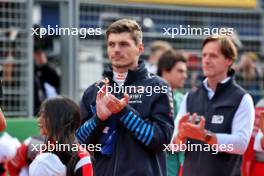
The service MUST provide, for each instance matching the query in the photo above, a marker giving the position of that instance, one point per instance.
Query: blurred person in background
(8, 146)
(132, 126)
(2, 121)
(2, 117)
(10, 81)
(46, 78)
(258, 167)
(250, 164)
(254, 158)
(172, 67)
(59, 117)
(157, 48)
(25, 154)
(249, 75)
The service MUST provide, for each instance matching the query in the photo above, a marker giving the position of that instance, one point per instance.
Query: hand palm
(101, 109)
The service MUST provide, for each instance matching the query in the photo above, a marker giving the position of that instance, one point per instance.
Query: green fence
(22, 127)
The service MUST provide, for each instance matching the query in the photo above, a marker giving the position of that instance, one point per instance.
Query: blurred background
(78, 61)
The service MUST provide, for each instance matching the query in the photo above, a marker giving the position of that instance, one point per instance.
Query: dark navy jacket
(132, 141)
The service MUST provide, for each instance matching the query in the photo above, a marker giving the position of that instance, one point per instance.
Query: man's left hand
(115, 105)
(193, 131)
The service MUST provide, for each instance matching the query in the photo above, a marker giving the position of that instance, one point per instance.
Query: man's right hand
(102, 111)
(179, 137)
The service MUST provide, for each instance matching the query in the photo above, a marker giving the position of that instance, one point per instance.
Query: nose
(205, 59)
(185, 75)
(117, 48)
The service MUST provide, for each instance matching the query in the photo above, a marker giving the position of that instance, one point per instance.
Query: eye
(123, 44)
(111, 44)
(213, 55)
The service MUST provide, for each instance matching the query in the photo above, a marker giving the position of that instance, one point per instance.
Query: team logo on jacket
(217, 119)
(135, 98)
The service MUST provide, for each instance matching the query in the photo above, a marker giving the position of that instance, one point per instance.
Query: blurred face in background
(8, 72)
(247, 63)
(123, 51)
(177, 76)
(154, 57)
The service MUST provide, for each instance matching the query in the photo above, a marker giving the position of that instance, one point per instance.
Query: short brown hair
(126, 25)
(227, 47)
(169, 59)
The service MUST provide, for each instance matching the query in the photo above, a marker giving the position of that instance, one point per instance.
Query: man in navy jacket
(130, 113)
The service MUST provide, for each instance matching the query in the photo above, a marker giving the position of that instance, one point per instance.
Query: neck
(124, 69)
(213, 81)
(120, 70)
(167, 78)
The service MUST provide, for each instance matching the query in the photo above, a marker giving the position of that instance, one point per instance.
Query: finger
(185, 118)
(109, 100)
(117, 103)
(99, 96)
(202, 122)
(193, 119)
(185, 126)
(102, 92)
(125, 99)
(116, 100)
(189, 126)
(114, 104)
(112, 109)
(111, 106)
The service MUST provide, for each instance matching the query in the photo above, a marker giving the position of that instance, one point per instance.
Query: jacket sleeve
(91, 126)
(156, 130)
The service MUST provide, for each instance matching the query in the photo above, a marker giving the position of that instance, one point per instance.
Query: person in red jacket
(59, 117)
(258, 167)
(253, 159)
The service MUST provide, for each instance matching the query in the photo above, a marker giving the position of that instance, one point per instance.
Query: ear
(141, 48)
(165, 74)
(229, 62)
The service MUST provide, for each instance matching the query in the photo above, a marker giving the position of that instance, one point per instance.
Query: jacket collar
(133, 75)
(221, 86)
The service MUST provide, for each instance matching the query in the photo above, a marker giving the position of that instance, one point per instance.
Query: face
(42, 125)
(122, 51)
(246, 62)
(177, 75)
(8, 70)
(154, 58)
(214, 63)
